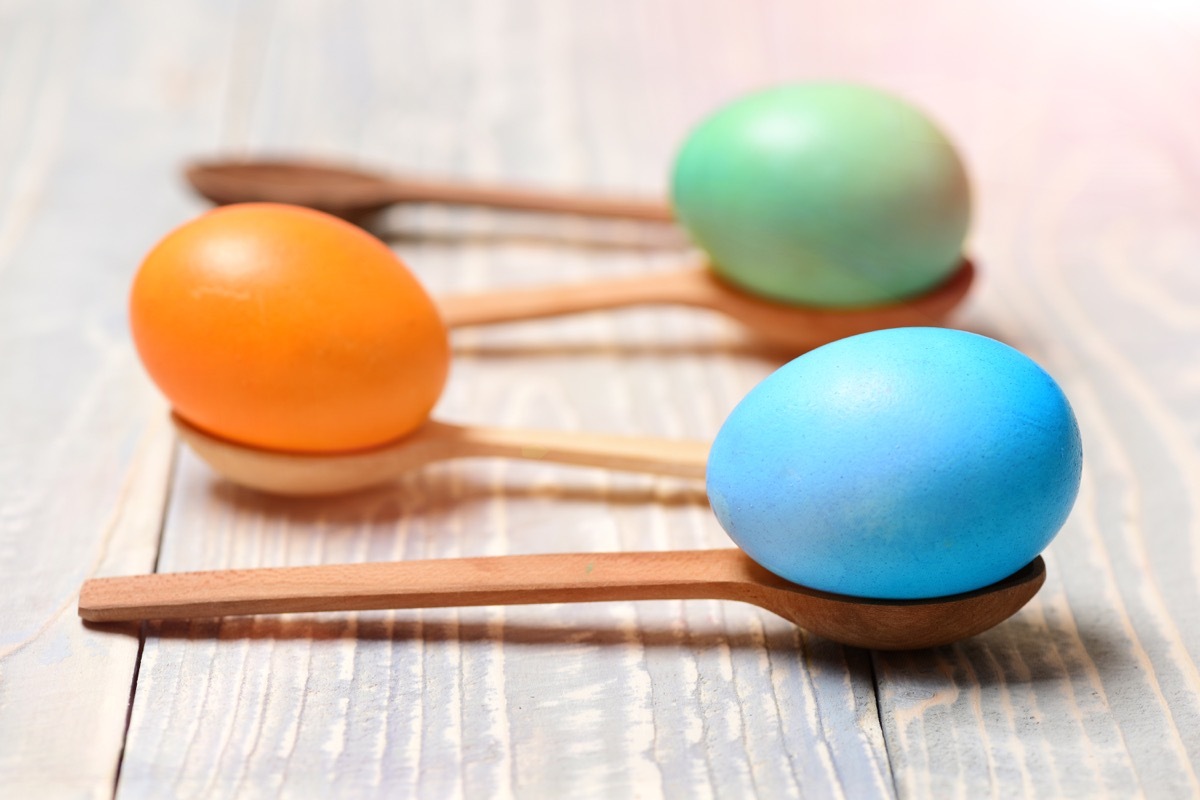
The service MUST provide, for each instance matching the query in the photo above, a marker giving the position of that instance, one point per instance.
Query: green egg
(824, 194)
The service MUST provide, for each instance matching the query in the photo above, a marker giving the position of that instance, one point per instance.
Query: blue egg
(906, 463)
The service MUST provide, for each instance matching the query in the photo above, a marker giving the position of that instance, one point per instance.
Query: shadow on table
(1013, 654)
(401, 227)
(528, 230)
(1022, 651)
(743, 347)
(441, 490)
(779, 639)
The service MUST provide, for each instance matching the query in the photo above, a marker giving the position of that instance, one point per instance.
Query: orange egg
(287, 328)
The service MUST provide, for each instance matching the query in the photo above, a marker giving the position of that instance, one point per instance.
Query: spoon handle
(669, 288)
(309, 474)
(526, 199)
(679, 457)
(435, 583)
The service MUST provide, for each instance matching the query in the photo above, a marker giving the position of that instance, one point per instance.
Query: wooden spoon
(353, 193)
(568, 578)
(349, 192)
(792, 327)
(322, 474)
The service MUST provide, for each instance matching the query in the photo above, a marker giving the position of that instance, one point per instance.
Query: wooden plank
(92, 115)
(1084, 233)
(1073, 121)
(653, 699)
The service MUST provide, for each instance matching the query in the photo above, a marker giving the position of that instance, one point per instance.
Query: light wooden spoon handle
(794, 327)
(569, 578)
(317, 474)
(676, 287)
(527, 199)
(508, 580)
(678, 457)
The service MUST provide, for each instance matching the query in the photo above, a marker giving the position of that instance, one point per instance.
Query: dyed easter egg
(286, 328)
(824, 194)
(906, 463)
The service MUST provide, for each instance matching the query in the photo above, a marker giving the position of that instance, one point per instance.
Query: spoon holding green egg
(824, 210)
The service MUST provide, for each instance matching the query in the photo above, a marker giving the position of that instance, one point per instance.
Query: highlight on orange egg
(287, 328)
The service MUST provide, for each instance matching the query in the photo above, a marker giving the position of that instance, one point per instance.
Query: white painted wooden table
(1078, 120)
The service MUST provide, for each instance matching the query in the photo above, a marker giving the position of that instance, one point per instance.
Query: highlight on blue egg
(898, 464)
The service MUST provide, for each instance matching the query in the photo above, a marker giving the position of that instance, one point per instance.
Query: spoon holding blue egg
(889, 491)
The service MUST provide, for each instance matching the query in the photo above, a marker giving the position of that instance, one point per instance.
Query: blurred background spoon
(353, 193)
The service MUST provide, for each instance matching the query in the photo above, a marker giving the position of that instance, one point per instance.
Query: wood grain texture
(90, 117)
(653, 699)
(1076, 122)
(1096, 693)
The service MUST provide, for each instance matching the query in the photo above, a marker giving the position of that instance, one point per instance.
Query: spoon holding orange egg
(300, 356)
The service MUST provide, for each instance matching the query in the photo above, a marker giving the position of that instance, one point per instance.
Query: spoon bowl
(342, 191)
(727, 574)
